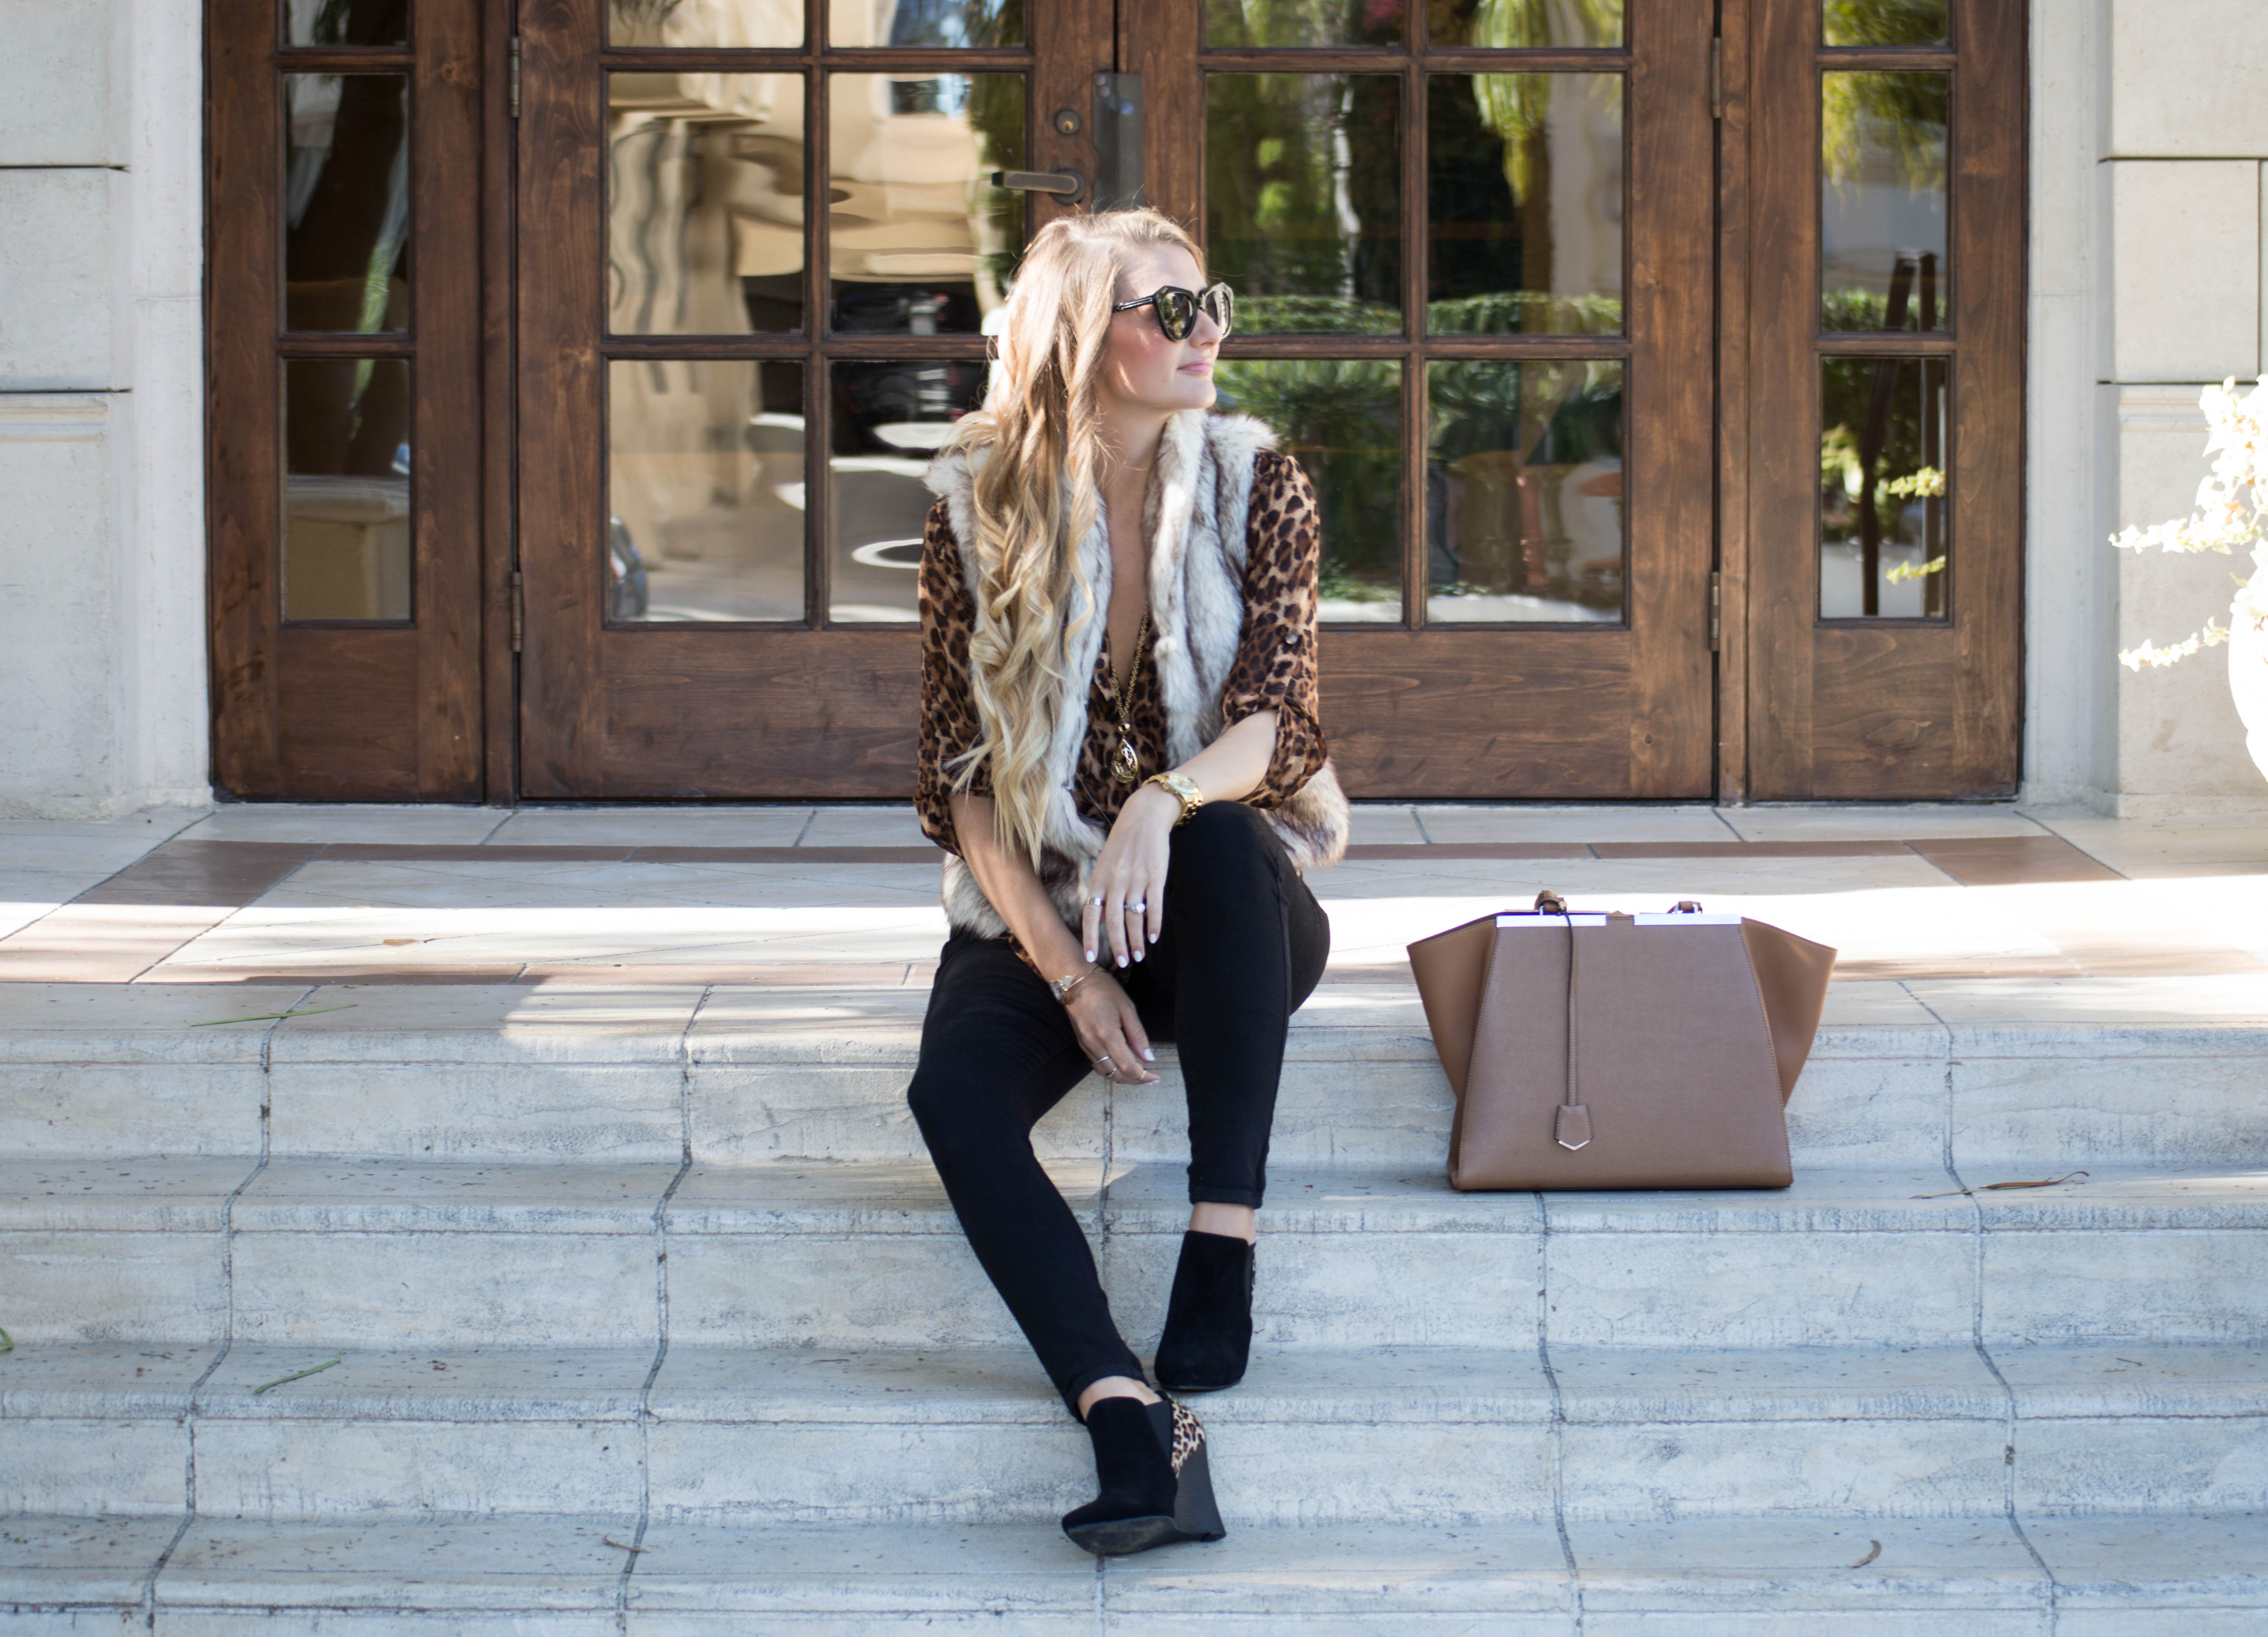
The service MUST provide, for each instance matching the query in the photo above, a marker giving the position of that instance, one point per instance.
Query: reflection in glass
(1524, 204)
(705, 489)
(1882, 22)
(1524, 491)
(346, 489)
(1303, 22)
(1530, 23)
(1340, 419)
(705, 22)
(889, 417)
(1882, 201)
(346, 22)
(921, 243)
(346, 201)
(925, 23)
(1882, 518)
(1303, 199)
(704, 203)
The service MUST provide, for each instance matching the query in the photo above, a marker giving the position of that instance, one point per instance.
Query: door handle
(1069, 185)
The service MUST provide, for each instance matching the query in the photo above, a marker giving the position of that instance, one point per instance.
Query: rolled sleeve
(1275, 667)
(949, 723)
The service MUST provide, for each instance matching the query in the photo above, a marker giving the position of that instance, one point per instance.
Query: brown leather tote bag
(1614, 1051)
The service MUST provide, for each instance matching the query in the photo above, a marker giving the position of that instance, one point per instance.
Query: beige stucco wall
(2178, 153)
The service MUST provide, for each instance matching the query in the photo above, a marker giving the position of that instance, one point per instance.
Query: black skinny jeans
(1243, 944)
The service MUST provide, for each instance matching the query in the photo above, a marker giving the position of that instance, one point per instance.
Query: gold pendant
(1126, 764)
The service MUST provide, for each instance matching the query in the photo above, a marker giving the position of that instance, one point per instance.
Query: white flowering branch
(2232, 511)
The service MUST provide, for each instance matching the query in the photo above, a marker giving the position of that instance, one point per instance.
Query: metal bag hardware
(1670, 1064)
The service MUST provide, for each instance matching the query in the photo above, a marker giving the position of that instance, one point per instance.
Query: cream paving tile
(1747, 1565)
(288, 821)
(1671, 1385)
(381, 1196)
(108, 1379)
(890, 824)
(84, 1560)
(526, 1562)
(1516, 822)
(435, 1385)
(161, 1195)
(476, 883)
(991, 1572)
(154, 1023)
(2197, 1559)
(2156, 848)
(1888, 822)
(1876, 1004)
(2233, 998)
(653, 826)
(132, 835)
(1384, 824)
(494, 1022)
(2135, 1378)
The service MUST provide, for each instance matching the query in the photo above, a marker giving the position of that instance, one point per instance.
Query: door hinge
(514, 80)
(1716, 610)
(519, 610)
(1716, 77)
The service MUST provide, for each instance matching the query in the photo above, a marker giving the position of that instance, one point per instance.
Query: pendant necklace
(1126, 766)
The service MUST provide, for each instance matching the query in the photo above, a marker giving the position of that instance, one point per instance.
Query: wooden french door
(1874, 376)
(759, 245)
(347, 489)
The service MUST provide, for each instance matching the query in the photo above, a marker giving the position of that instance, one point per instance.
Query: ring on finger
(1139, 906)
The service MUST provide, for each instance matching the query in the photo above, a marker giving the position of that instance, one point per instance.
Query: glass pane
(1530, 23)
(1303, 199)
(704, 203)
(1524, 204)
(889, 418)
(346, 201)
(1883, 517)
(925, 23)
(1883, 22)
(346, 22)
(705, 22)
(1524, 491)
(1342, 418)
(1303, 22)
(1882, 201)
(346, 489)
(705, 489)
(921, 243)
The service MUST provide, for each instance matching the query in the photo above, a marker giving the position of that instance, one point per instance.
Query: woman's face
(1139, 365)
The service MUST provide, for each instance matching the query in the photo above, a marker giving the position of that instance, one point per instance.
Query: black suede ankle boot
(1157, 1481)
(1208, 1338)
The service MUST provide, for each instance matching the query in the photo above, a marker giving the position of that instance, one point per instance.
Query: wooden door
(1474, 278)
(345, 437)
(1880, 548)
(1471, 243)
(770, 241)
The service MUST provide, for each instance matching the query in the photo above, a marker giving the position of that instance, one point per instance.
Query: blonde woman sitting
(1120, 749)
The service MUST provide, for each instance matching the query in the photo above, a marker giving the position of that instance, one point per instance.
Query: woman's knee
(1228, 842)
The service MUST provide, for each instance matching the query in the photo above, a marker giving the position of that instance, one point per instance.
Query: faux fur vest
(1193, 517)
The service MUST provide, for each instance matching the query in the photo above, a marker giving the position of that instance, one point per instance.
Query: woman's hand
(1109, 1031)
(1126, 904)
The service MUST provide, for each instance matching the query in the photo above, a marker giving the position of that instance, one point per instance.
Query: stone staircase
(572, 1309)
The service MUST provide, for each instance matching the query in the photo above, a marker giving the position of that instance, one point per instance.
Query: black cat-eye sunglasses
(1178, 309)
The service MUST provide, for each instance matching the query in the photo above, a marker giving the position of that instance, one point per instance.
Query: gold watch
(1184, 789)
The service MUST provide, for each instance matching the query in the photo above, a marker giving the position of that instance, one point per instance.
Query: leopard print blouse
(1275, 667)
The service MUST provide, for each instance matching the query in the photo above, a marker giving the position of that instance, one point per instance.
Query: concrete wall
(2157, 262)
(102, 649)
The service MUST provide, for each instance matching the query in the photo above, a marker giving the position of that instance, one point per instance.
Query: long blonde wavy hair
(1034, 492)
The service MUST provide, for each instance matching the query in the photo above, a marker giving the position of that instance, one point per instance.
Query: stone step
(1316, 1435)
(2201, 1575)
(504, 1072)
(384, 1254)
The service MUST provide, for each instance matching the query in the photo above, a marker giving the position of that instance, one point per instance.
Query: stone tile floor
(846, 896)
